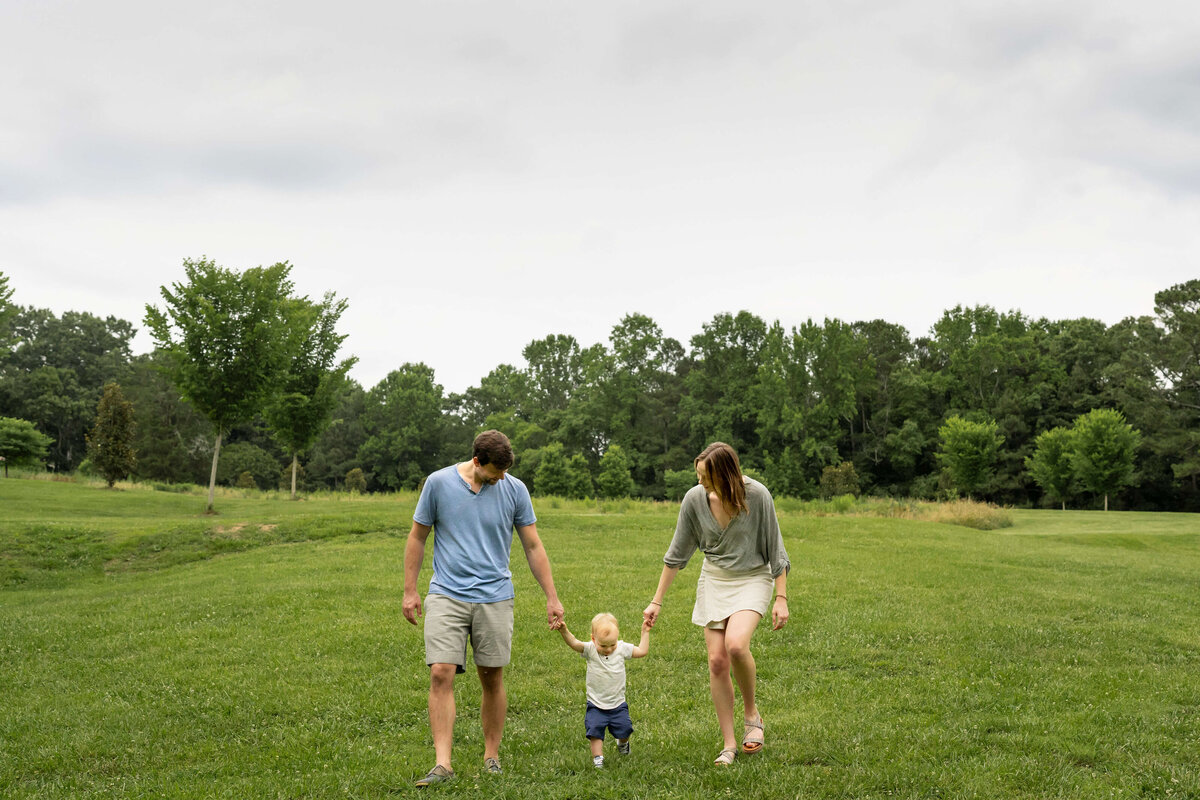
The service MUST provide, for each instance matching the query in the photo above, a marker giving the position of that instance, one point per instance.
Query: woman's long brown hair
(725, 474)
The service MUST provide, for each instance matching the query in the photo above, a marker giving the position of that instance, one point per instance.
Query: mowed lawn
(147, 650)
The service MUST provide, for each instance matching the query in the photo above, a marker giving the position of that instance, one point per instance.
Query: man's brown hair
(493, 447)
(725, 474)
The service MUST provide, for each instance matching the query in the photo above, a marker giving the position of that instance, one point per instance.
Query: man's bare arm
(539, 565)
(414, 554)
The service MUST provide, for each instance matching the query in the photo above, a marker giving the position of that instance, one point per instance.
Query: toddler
(606, 707)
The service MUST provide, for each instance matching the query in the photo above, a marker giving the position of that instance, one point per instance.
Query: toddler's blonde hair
(603, 621)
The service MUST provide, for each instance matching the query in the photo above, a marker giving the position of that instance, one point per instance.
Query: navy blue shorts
(615, 719)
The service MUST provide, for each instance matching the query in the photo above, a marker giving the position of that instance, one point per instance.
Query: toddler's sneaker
(623, 747)
(598, 762)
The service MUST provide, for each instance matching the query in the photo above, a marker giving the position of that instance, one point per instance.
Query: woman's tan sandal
(725, 757)
(753, 739)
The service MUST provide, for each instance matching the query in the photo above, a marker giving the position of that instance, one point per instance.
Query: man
(473, 508)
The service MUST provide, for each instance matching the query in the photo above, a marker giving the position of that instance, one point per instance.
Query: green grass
(1057, 658)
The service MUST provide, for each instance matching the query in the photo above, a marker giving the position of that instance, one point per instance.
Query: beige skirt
(721, 592)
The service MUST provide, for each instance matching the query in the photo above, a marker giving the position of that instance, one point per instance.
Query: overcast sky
(475, 175)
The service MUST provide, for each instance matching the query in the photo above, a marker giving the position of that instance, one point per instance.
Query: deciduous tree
(228, 338)
(21, 443)
(335, 453)
(303, 404)
(968, 452)
(404, 425)
(56, 372)
(1050, 464)
(1103, 451)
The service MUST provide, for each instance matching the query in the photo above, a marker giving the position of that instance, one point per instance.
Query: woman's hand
(650, 614)
(779, 614)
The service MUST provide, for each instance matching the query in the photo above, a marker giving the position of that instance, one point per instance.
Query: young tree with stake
(303, 406)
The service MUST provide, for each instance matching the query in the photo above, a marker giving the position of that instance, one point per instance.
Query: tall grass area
(1055, 658)
(970, 513)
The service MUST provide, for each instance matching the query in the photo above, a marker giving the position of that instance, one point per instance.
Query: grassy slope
(1056, 658)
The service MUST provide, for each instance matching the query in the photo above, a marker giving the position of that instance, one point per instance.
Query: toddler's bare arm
(571, 641)
(644, 645)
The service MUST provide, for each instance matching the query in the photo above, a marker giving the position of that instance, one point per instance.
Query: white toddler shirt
(606, 674)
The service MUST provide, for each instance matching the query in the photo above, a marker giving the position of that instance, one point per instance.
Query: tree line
(818, 408)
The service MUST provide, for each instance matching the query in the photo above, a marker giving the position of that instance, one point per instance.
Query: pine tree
(110, 443)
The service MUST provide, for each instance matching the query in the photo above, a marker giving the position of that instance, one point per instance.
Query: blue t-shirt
(472, 534)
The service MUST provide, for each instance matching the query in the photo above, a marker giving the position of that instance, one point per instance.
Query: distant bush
(163, 486)
(242, 457)
(356, 481)
(246, 481)
(839, 480)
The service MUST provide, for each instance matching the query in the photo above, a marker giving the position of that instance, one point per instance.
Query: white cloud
(474, 175)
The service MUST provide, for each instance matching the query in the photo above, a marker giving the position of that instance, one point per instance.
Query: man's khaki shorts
(449, 623)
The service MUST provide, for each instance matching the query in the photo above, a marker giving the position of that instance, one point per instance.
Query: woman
(731, 518)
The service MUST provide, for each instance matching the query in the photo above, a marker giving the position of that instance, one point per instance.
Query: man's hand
(554, 614)
(412, 606)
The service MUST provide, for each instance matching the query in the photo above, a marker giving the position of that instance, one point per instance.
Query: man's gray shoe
(492, 765)
(438, 774)
(623, 747)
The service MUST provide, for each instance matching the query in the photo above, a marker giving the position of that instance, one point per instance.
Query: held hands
(779, 613)
(554, 614)
(412, 606)
(650, 615)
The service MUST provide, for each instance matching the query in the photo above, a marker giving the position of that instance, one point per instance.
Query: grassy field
(149, 651)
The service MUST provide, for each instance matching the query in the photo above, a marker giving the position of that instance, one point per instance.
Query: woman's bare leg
(719, 684)
(738, 630)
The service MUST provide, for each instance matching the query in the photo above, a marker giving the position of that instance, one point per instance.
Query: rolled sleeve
(686, 539)
(774, 550)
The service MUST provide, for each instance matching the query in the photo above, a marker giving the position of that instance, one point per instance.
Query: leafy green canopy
(1050, 465)
(228, 337)
(308, 389)
(20, 442)
(1103, 452)
(968, 452)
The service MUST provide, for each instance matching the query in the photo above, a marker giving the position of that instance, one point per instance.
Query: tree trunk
(1064, 502)
(212, 478)
(1106, 502)
(295, 464)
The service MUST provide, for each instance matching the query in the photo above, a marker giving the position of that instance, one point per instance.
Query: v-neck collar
(467, 483)
(713, 516)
